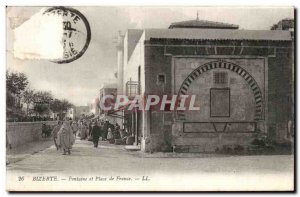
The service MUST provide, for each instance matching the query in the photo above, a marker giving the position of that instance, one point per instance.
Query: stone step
(133, 147)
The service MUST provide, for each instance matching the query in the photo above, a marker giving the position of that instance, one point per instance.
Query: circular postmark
(76, 33)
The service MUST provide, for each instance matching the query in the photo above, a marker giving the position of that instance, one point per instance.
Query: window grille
(220, 77)
(132, 88)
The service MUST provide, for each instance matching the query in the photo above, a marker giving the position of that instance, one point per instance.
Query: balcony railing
(132, 88)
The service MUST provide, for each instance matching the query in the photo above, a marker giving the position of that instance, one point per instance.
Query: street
(133, 168)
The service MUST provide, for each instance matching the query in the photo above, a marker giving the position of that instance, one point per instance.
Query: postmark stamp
(76, 33)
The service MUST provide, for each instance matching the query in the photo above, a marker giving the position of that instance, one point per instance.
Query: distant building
(27, 108)
(70, 113)
(94, 106)
(112, 115)
(77, 112)
(284, 24)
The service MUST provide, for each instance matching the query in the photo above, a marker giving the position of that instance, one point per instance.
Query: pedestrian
(87, 130)
(116, 131)
(96, 132)
(82, 131)
(44, 130)
(117, 126)
(74, 127)
(78, 128)
(102, 129)
(105, 130)
(110, 136)
(54, 133)
(65, 137)
(91, 124)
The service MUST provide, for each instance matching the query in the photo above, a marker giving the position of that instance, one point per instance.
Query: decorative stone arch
(226, 65)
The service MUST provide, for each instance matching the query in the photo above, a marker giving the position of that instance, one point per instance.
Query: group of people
(96, 129)
(64, 133)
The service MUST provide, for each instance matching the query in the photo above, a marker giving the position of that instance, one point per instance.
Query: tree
(42, 101)
(10, 101)
(66, 105)
(55, 106)
(15, 85)
(41, 109)
(28, 98)
(43, 97)
(60, 106)
(16, 82)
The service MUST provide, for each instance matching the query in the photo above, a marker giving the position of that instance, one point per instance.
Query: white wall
(137, 59)
(131, 70)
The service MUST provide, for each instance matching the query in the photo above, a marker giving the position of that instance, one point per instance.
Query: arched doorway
(229, 66)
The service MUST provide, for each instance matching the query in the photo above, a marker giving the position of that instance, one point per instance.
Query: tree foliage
(43, 97)
(55, 106)
(28, 98)
(60, 106)
(10, 101)
(42, 101)
(41, 109)
(15, 85)
(16, 82)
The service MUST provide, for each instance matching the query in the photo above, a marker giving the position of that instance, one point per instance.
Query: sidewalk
(23, 151)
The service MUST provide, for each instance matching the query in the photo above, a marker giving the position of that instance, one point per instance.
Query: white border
(5, 3)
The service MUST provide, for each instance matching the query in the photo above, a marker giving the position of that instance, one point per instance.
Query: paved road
(184, 169)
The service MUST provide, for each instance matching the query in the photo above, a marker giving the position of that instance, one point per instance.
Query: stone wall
(159, 131)
(242, 105)
(19, 133)
(280, 105)
(270, 64)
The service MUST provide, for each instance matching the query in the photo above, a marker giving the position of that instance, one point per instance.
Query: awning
(121, 108)
(95, 117)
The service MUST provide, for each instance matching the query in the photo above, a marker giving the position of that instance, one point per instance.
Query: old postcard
(150, 98)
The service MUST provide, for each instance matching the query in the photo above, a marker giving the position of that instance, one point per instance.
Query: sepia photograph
(150, 98)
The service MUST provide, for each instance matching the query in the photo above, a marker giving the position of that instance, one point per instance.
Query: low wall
(18, 133)
(212, 140)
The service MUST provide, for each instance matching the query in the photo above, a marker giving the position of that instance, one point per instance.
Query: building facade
(94, 107)
(77, 112)
(242, 79)
(111, 116)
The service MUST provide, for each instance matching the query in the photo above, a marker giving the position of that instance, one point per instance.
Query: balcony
(132, 89)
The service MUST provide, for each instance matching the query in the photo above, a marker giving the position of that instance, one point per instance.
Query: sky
(80, 80)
